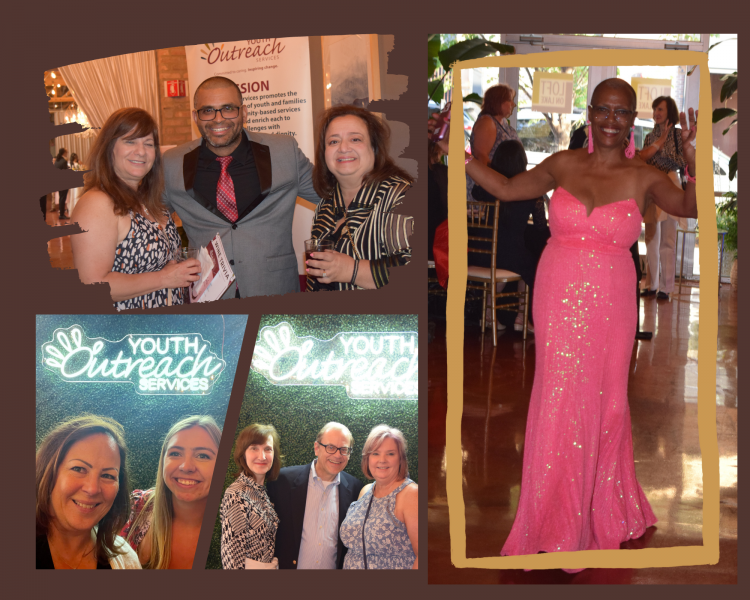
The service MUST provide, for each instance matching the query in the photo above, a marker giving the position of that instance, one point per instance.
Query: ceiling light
(58, 85)
(52, 74)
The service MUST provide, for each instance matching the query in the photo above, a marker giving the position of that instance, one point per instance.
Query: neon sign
(153, 363)
(368, 365)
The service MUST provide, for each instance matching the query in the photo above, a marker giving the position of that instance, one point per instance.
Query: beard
(220, 143)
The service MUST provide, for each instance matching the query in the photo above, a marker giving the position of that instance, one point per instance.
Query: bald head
(337, 426)
(213, 83)
(620, 85)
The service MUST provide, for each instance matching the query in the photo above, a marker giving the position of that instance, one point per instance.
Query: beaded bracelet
(687, 174)
(468, 160)
(354, 272)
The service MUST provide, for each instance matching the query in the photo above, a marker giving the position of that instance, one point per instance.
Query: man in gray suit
(242, 185)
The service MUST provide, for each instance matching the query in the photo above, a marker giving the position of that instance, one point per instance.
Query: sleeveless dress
(579, 490)
(147, 247)
(388, 544)
(503, 132)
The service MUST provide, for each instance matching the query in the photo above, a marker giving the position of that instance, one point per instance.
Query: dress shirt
(320, 529)
(242, 170)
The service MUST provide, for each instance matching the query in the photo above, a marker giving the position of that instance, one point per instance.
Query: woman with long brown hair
(360, 186)
(82, 496)
(129, 238)
(165, 521)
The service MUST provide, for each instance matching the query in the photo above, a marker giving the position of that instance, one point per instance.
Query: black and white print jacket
(248, 524)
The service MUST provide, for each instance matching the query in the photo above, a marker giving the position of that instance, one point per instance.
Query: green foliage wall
(298, 412)
(145, 418)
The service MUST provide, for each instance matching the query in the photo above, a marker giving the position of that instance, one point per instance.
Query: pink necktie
(225, 198)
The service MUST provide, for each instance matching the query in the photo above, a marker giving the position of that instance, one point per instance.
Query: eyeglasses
(209, 113)
(602, 112)
(331, 449)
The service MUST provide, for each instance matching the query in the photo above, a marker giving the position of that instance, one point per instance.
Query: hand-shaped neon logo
(153, 363)
(367, 365)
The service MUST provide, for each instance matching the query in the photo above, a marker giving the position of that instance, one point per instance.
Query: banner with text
(553, 92)
(274, 77)
(648, 90)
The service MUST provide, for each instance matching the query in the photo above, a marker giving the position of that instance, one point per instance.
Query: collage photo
(200, 407)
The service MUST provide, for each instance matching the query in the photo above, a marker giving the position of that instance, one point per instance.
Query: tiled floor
(662, 394)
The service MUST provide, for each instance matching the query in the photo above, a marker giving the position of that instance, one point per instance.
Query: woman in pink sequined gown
(579, 489)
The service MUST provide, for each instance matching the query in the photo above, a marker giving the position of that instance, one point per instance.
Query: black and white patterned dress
(248, 524)
(146, 248)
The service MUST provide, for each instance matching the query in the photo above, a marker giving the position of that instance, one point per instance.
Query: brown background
(41, 35)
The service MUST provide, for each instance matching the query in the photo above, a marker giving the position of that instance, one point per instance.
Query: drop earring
(591, 139)
(630, 150)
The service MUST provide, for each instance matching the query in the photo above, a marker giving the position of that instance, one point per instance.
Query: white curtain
(76, 143)
(103, 86)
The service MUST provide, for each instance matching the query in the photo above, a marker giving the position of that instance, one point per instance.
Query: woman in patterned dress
(386, 509)
(248, 519)
(129, 238)
(360, 187)
(165, 521)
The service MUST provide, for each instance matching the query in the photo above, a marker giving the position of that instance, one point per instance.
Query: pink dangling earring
(591, 139)
(630, 150)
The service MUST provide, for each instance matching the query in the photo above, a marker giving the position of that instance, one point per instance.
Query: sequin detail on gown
(579, 490)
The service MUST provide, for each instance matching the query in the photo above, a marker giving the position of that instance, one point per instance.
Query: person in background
(512, 251)
(662, 149)
(61, 162)
(492, 127)
(437, 194)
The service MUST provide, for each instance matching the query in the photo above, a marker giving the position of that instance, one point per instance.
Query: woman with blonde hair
(165, 521)
(82, 496)
(381, 528)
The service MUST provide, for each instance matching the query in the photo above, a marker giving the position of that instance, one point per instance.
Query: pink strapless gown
(579, 490)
